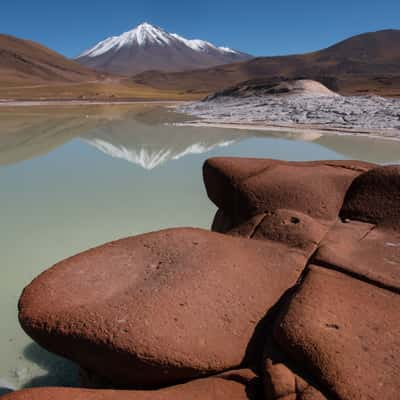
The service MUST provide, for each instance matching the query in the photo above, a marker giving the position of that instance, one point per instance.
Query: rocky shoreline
(293, 294)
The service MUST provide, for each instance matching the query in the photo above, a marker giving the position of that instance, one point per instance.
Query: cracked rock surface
(350, 112)
(293, 295)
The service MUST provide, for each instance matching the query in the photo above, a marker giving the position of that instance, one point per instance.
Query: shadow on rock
(5, 390)
(253, 358)
(57, 370)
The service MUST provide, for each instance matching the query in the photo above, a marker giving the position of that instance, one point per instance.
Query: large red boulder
(246, 185)
(366, 243)
(303, 285)
(160, 308)
(374, 197)
(346, 333)
(290, 202)
(363, 250)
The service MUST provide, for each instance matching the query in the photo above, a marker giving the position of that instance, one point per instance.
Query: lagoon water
(74, 177)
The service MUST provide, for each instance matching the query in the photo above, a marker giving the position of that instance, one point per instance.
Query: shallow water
(75, 177)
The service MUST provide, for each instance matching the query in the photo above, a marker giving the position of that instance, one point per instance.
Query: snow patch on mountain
(146, 33)
(201, 45)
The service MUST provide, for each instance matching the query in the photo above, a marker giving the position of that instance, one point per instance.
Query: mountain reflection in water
(141, 135)
(145, 135)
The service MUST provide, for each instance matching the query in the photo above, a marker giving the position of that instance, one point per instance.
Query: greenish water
(75, 177)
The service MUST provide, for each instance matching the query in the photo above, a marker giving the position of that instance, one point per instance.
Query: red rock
(245, 185)
(215, 388)
(346, 333)
(246, 229)
(282, 378)
(282, 383)
(222, 223)
(169, 306)
(317, 191)
(374, 197)
(295, 229)
(290, 202)
(364, 250)
(159, 308)
(221, 176)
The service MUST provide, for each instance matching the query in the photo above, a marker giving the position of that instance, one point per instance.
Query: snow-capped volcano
(148, 47)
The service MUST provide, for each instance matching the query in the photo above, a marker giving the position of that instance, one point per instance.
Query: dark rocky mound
(294, 295)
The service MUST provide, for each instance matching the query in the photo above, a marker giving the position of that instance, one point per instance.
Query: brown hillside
(26, 61)
(365, 63)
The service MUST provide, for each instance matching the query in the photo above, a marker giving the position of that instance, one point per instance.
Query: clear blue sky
(260, 27)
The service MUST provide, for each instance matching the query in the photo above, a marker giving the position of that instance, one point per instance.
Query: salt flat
(373, 115)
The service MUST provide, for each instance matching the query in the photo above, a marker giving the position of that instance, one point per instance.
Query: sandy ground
(11, 103)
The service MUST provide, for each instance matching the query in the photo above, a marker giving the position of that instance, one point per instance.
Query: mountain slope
(148, 47)
(359, 64)
(26, 61)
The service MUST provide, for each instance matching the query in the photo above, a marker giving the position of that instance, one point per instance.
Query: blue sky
(260, 27)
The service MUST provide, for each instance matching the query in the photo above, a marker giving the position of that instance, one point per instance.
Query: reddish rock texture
(245, 188)
(363, 250)
(367, 243)
(233, 387)
(159, 308)
(283, 379)
(374, 197)
(265, 184)
(301, 284)
(290, 202)
(282, 383)
(346, 333)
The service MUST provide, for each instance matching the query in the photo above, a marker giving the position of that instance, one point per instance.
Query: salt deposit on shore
(372, 114)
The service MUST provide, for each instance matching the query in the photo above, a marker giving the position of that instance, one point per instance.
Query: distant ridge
(26, 61)
(363, 64)
(360, 64)
(149, 47)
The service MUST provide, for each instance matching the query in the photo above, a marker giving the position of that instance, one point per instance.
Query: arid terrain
(27, 62)
(29, 71)
(364, 64)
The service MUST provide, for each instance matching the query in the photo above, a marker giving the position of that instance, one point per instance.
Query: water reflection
(375, 150)
(26, 133)
(135, 134)
(151, 146)
(144, 135)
